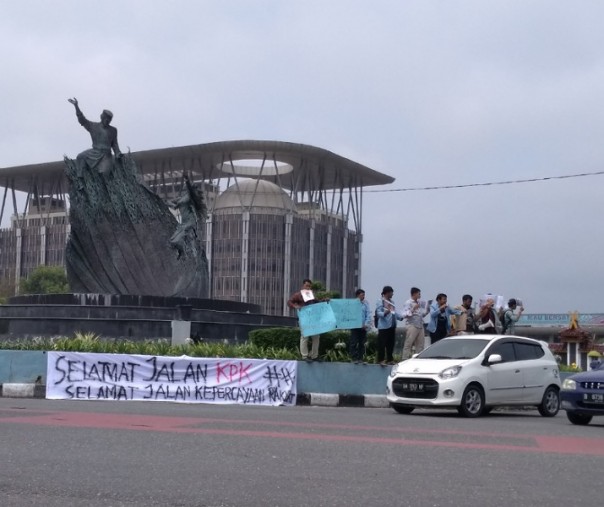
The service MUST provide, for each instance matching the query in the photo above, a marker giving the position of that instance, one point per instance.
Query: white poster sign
(307, 295)
(84, 376)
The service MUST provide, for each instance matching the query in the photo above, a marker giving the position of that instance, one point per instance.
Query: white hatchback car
(475, 373)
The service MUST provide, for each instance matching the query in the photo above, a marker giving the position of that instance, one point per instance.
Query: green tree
(7, 289)
(320, 293)
(45, 280)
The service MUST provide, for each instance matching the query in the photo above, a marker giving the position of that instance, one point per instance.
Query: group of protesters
(444, 320)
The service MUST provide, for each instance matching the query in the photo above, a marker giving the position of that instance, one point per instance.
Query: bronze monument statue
(104, 139)
(123, 235)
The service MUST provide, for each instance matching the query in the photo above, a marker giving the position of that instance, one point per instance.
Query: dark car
(582, 395)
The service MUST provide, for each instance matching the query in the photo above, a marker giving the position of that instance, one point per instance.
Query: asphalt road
(77, 453)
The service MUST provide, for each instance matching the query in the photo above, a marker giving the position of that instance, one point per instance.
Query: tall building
(277, 213)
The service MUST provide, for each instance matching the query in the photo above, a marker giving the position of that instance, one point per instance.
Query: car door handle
(517, 371)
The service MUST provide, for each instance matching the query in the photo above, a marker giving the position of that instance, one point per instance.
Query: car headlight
(394, 370)
(569, 385)
(450, 372)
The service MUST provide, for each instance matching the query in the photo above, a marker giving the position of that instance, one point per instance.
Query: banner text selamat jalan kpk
(84, 376)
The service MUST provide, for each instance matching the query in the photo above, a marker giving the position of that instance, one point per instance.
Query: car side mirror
(414, 355)
(494, 359)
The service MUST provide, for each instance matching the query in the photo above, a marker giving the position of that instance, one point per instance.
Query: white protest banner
(316, 319)
(348, 312)
(84, 376)
(497, 300)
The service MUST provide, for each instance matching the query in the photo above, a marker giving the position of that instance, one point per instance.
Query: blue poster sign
(316, 319)
(348, 312)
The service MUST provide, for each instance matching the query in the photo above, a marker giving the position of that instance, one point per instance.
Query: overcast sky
(433, 93)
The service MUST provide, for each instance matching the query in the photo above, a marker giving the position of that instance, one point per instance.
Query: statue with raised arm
(123, 238)
(104, 139)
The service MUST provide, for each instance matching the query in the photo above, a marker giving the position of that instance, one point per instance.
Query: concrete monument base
(132, 317)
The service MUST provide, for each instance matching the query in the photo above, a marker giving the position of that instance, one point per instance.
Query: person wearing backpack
(510, 317)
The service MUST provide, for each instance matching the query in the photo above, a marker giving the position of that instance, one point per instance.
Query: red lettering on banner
(219, 371)
(243, 372)
(233, 372)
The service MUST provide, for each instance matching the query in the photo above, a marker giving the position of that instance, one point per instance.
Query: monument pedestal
(181, 330)
(132, 317)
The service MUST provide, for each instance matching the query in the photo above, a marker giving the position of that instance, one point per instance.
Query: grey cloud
(432, 93)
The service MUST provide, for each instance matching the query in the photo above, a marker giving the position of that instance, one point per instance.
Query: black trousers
(436, 336)
(385, 344)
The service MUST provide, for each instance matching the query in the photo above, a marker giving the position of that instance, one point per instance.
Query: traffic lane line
(192, 425)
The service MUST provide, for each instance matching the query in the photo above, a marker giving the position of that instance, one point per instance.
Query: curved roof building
(278, 212)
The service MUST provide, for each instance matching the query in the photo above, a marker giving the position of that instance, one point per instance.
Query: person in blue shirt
(385, 309)
(358, 336)
(440, 313)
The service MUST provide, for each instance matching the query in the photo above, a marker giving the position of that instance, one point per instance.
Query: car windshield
(458, 348)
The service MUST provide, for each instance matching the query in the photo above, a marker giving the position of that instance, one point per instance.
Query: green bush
(272, 343)
(276, 337)
(45, 280)
(289, 338)
(569, 368)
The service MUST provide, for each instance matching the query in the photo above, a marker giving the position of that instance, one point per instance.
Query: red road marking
(190, 425)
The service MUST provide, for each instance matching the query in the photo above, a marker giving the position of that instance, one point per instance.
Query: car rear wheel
(402, 409)
(551, 402)
(579, 419)
(472, 402)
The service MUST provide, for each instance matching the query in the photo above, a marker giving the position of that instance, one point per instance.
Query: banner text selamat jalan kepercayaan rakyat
(121, 377)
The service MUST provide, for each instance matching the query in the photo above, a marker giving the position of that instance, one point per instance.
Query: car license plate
(593, 398)
(413, 386)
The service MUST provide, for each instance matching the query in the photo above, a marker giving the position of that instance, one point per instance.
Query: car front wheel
(579, 419)
(402, 409)
(472, 402)
(551, 402)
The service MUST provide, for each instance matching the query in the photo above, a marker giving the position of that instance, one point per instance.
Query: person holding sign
(440, 313)
(414, 311)
(358, 336)
(466, 322)
(298, 300)
(487, 318)
(385, 309)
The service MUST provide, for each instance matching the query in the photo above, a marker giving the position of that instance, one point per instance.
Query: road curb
(22, 390)
(14, 390)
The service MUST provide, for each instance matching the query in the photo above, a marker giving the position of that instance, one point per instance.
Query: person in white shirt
(414, 312)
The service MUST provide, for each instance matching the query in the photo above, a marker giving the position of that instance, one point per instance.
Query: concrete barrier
(23, 374)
